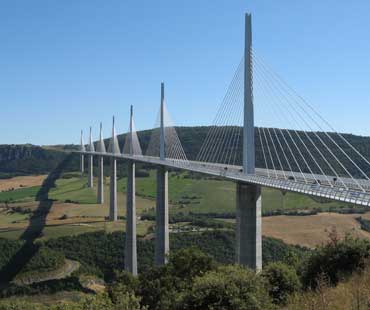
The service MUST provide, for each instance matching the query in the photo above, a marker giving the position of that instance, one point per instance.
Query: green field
(78, 203)
(185, 195)
(20, 195)
(73, 189)
(218, 196)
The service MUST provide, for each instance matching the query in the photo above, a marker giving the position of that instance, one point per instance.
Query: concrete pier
(82, 156)
(114, 149)
(91, 148)
(101, 180)
(90, 180)
(113, 215)
(162, 245)
(248, 226)
(130, 241)
(101, 149)
(82, 164)
(248, 197)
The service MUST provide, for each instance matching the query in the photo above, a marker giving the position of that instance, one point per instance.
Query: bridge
(312, 161)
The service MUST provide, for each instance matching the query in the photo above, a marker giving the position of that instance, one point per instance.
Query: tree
(228, 287)
(161, 287)
(188, 263)
(335, 260)
(281, 281)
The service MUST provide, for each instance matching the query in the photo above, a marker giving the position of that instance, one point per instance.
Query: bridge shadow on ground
(35, 227)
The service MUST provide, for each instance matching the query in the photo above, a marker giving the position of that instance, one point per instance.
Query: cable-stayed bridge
(309, 158)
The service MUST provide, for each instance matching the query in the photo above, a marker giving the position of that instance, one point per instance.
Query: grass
(73, 189)
(218, 196)
(185, 195)
(48, 299)
(7, 218)
(20, 195)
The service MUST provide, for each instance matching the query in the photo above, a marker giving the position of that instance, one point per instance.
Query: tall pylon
(114, 149)
(162, 233)
(130, 241)
(248, 196)
(82, 156)
(100, 148)
(91, 148)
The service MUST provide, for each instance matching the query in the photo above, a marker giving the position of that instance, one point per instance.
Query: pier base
(130, 241)
(90, 181)
(248, 226)
(113, 215)
(101, 181)
(162, 234)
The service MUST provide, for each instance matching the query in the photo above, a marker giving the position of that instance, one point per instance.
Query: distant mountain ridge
(30, 159)
(26, 159)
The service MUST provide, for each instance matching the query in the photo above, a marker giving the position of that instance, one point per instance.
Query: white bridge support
(248, 225)
(82, 163)
(248, 200)
(162, 244)
(113, 190)
(90, 180)
(130, 241)
(101, 180)
(114, 149)
(82, 156)
(101, 149)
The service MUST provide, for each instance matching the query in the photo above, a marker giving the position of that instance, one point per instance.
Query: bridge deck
(342, 189)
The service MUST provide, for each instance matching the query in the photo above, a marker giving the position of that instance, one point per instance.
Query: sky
(67, 65)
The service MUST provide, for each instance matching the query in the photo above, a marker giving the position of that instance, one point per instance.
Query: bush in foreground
(228, 287)
(336, 260)
(281, 281)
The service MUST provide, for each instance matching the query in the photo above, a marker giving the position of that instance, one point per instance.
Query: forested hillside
(29, 159)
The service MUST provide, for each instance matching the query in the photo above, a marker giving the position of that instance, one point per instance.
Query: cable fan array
(173, 147)
(224, 139)
(132, 140)
(310, 151)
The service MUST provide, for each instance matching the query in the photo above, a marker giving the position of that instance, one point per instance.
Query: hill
(29, 159)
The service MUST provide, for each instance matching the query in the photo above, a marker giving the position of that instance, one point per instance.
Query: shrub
(229, 287)
(335, 260)
(281, 281)
(142, 173)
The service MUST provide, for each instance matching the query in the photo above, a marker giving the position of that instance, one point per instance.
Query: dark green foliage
(123, 289)
(365, 224)
(29, 159)
(124, 301)
(101, 253)
(274, 250)
(46, 287)
(159, 287)
(98, 253)
(8, 248)
(281, 280)
(218, 244)
(185, 264)
(140, 173)
(228, 287)
(335, 260)
(45, 259)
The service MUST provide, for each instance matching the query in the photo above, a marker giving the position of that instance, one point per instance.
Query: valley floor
(74, 210)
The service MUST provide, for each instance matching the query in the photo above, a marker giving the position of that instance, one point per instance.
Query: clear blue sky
(66, 65)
